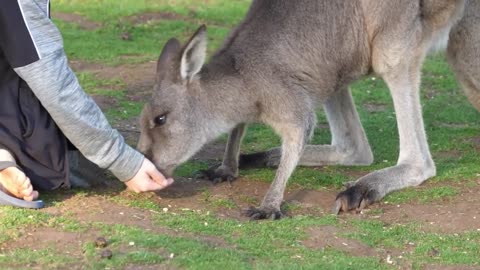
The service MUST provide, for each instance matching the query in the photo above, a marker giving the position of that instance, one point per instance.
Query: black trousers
(30, 134)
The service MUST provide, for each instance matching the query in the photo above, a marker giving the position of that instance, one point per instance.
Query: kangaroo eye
(160, 120)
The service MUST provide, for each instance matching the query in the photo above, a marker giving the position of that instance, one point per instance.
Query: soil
(83, 22)
(476, 143)
(138, 19)
(453, 215)
(44, 237)
(375, 107)
(138, 78)
(149, 17)
(326, 236)
(452, 267)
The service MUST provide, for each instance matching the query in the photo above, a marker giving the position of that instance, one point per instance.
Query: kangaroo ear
(194, 53)
(165, 62)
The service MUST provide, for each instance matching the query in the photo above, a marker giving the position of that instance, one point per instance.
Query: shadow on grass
(181, 188)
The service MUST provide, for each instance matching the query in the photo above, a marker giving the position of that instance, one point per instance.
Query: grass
(201, 239)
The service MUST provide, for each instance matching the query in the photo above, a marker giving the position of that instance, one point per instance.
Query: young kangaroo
(283, 61)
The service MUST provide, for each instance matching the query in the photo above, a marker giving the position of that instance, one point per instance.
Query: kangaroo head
(172, 120)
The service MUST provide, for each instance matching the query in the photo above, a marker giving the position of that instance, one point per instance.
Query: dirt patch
(150, 267)
(138, 78)
(326, 237)
(149, 17)
(67, 243)
(476, 143)
(454, 215)
(83, 22)
(451, 125)
(101, 209)
(375, 107)
(130, 74)
(153, 17)
(189, 194)
(230, 200)
(192, 195)
(450, 267)
(315, 202)
(104, 102)
(447, 154)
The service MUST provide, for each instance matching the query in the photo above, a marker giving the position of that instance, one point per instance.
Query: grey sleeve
(76, 114)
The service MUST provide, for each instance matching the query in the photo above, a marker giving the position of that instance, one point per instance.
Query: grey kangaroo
(285, 60)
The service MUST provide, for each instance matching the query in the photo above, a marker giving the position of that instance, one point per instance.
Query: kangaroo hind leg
(349, 142)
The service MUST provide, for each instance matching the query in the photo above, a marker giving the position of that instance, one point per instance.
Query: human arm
(34, 48)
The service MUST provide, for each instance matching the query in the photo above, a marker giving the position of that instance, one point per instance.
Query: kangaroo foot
(356, 197)
(263, 213)
(217, 174)
(374, 186)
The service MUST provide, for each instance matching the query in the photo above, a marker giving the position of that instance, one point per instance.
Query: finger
(158, 178)
(154, 186)
(170, 181)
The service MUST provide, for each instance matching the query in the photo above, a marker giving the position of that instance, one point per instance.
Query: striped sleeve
(42, 63)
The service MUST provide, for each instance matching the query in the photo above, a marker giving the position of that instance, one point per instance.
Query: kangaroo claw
(216, 174)
(258, 214)
(356, 197)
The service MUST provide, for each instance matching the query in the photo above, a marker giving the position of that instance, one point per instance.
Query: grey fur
(463, 52)
(282, 62)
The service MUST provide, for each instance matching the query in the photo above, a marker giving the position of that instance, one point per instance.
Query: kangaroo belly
(307, 44)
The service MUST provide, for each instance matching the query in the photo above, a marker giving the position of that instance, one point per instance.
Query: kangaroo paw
(217, 174)
(259, 213)
(374, 186)
(356, 197)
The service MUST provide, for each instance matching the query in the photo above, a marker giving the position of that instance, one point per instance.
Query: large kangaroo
(287, 58)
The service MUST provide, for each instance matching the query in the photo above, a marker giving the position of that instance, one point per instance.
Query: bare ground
(451, 216)
(83, 22)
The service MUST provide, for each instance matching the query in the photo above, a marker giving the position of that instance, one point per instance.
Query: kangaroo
(283, 61)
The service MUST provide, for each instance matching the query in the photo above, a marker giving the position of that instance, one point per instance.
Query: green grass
(200, 239)
(147, 39)
(461, 248)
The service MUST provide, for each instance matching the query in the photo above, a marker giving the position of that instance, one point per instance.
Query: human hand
(148, 178)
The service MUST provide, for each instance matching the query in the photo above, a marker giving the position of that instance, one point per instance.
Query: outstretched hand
(148, 178)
